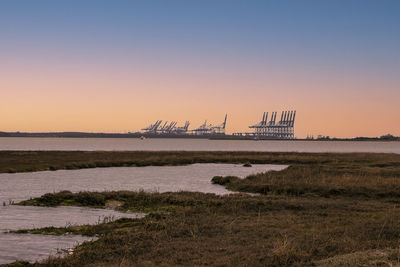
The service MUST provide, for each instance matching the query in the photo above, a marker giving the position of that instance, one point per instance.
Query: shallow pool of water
(20, 186)
(196, 177)
(34, 248)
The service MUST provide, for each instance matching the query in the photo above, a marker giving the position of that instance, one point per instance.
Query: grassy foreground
(324, 210)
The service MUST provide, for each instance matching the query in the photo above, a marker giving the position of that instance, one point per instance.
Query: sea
(185, 144)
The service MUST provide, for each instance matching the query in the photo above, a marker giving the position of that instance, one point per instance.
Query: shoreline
(182, 136)
(30, 161)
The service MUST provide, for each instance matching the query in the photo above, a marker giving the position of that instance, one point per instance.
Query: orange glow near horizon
(101, 101)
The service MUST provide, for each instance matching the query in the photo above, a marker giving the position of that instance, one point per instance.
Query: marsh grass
(238, 229)
(28, 161)
(305, 180)
(324, 210)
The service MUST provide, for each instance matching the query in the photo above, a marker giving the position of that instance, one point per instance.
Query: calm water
(194, 145)
(21, 186)
(35, 247)
(196, 177)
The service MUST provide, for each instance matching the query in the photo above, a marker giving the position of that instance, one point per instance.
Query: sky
(119, 65)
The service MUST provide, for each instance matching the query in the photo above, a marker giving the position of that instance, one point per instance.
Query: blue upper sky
(255, 30)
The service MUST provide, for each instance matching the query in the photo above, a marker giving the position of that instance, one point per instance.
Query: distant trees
(389, 137)
(386, 137)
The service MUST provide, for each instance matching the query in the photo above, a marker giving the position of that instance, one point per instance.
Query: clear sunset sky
(119, 65)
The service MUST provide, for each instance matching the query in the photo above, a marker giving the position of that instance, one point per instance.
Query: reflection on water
(196, 177)
(21, 186)
(154, 144)
(35, 247)
(28, 217)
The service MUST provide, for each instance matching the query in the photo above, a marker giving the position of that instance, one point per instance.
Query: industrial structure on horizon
(284, 129)
(171, 128)
(160, 128)
(209, 129)
(265, 129)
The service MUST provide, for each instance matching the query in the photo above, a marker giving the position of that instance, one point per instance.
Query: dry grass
(308, 180)
(364, 163)
(238, 229)
(325, 210)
